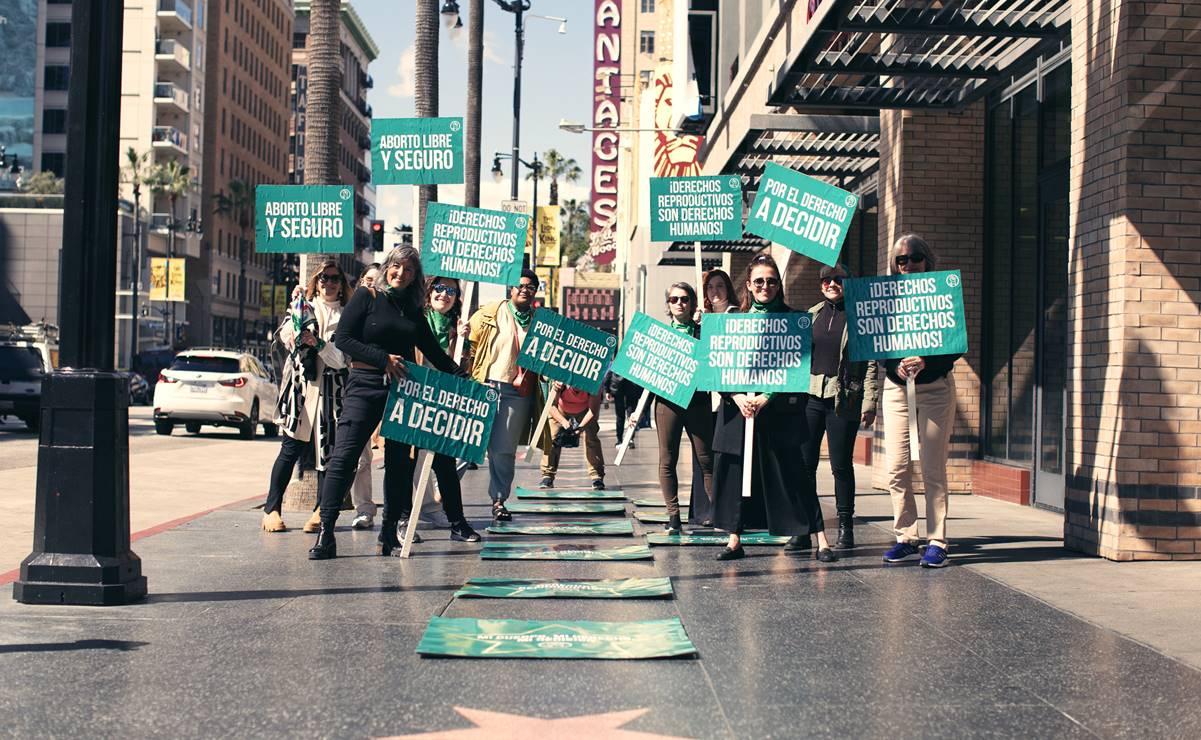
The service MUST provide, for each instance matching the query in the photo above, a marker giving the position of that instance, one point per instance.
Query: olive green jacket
(854, 389)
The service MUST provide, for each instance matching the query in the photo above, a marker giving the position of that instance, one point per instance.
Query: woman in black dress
(378, 332)
(782, 500)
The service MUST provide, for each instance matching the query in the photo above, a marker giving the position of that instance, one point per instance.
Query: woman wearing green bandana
(782, 498)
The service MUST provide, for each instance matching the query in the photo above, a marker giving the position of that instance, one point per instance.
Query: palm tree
(475, 96)
(556, 166)
(173, 180)
(238, 204)
(138, 171)
(575, 215)
(426, 20)
(323, 112)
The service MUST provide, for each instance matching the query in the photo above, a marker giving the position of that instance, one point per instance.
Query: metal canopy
(712, 250)
(873, 54)
(841, 159)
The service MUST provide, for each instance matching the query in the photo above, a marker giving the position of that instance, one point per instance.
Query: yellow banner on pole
(281, 301)
(158, 279)
(176, 279)
(548, 236)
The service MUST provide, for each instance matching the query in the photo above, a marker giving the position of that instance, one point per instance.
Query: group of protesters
(354, 345)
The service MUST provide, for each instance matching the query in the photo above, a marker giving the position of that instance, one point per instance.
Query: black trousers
(840, 434)
(673, 421)
(362, 408)
(449, 486)
(619, 409)
(290, 453)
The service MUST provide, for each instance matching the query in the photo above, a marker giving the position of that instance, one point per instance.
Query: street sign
(566, 350)
(473, 243)
(754, 353)
(439, 412)
(905, 316)
(658, 358)
(304, 218)
(416, 151)
(696, 209)
(802, 213)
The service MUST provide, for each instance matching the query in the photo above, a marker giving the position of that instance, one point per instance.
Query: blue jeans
(512, 419)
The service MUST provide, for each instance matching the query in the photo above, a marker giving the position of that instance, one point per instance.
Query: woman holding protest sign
(314, 376)
(672, 420)
(782, 498)
(935, 401)
(842, 396)
(380, 330)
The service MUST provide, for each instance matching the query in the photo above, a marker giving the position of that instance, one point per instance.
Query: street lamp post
(536, 167)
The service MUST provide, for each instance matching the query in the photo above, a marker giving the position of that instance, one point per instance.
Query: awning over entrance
(680, 253)
(842, 150)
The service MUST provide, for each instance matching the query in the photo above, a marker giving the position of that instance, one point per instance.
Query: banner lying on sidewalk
(658, 503)
(473, 243)
(416, 151)
(464, 637)
(905, 316)
(760, 353)
(436, 411)
(537, 507)
(612, 588)
(612, 494)
(567, 350)
(748, 538)
(521, 551)
(658, 358)
(619, 528)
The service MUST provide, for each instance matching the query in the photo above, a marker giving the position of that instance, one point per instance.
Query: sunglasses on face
(678, 299)
(327, 278)
(765, 282)
(527, 287)
(904, 259)
(447, 289)
(832, 279)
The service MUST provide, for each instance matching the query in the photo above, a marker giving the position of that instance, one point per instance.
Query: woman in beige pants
(935, 388)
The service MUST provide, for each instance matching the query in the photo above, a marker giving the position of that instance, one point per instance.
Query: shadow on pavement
(57, 647)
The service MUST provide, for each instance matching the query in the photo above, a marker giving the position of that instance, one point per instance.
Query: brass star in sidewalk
(502, 726)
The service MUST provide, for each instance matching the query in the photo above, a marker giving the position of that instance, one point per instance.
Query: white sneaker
(436, 519)
(363, 521)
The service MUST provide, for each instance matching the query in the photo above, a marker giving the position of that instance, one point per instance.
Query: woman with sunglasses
(672, 420)
(309, 404)
(782, 498)
(935, 388)
(380, 330)
(842, 395)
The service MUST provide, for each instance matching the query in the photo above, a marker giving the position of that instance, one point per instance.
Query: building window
(648, 6)
(54, 121)
(646, 42)
(58, 34)
(298, 40)
(56, 76)
(54, 162)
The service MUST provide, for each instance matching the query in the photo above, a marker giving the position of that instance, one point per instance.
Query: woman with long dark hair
(781, 497)
(381, 328)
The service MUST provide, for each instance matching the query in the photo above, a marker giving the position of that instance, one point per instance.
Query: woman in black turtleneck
(378, 332)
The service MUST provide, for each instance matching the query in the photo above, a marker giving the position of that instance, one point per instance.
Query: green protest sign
(464, 637)
(696, 209)
(520, 551)
(657, 503)
(754, 353)
(610, 588)
(658, 358)
(619, 528)
(570, 495)
(905, 316)
(567, 350)
(416, 151)
(527, 507)
(439, 412)
(304, 218)
(802, 213)
(748, 538)
(473, 243)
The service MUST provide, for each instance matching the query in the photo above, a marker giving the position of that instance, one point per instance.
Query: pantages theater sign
(606, 114)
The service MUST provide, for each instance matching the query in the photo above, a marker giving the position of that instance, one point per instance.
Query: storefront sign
(436, 411)
(905, 316)
(606, 116)
(610, 588)
(802, 213)
(304, 218)
(597, 307)
(416, 151)
(621, 528)
(566, 350)
(658, 358)
(465, 637)
(521, 551)
(473, 243)
(754, 353)
(696, 209)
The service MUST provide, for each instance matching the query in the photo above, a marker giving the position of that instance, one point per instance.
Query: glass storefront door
(1050, 398)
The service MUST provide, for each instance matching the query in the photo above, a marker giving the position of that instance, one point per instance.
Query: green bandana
(776, 305)
(440, 326)
(522, 318)
(689, 329)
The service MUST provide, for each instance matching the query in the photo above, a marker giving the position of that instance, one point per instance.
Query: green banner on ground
(619, 528)
(304, 218)
(436, 411)
(696, 209)
(652, 517)
(582, 494)
(754, 353)
(905, 316)
(748, 538)
(536, 507)
(658, 358)
(521, 551)
(416, 151)
(609, 588)
(802, 213)
(567, 350)
(473, 243)
(464, 637)
(658, 502)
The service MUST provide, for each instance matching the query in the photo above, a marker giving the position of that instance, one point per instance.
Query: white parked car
(220, 387)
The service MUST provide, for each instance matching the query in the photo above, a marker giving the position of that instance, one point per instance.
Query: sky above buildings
(556, 84)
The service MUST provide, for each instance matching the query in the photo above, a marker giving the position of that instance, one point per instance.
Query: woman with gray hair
(935, 394)
(379, 331)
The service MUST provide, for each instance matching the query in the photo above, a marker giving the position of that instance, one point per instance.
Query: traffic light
(377, 236)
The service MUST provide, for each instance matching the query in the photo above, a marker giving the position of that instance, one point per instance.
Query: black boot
(846, 532)
(326, 547)
(799, 542)
(388, 541)
(673, 526)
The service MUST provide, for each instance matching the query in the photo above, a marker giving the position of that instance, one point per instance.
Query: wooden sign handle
(423, 479)
(550, 401)
(915, 443)
(631, 424)
(748, 448)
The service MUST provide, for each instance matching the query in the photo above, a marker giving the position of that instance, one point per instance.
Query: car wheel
(251, 425)
(163, 427)
(271, 431)
(193, 427)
